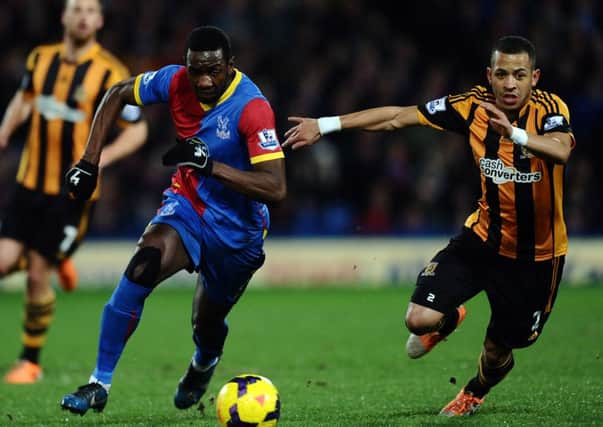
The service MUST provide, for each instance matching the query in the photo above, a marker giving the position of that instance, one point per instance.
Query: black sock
(476, 388)
(487, 377)
(31, 353)
(448, 323)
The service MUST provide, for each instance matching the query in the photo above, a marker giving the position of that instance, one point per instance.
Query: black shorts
(51, 225)
(521, 293)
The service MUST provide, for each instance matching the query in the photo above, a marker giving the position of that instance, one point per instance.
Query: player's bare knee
(420, 320)
(145, 266)
(417, 326)
(419, 323)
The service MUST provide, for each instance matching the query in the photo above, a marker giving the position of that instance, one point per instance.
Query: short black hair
(513, 45)
(208, 37)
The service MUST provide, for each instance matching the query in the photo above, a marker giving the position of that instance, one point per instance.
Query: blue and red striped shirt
(239, 130)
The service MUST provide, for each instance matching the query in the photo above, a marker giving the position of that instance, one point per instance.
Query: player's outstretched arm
(307, 131)
(554, 146)
(304, 132)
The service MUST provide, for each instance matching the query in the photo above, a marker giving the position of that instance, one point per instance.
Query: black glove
(81, 179)
(190, 152)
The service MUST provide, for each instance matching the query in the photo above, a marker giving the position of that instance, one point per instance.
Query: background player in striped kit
(62, 86)
(513, 245)
(213, 218)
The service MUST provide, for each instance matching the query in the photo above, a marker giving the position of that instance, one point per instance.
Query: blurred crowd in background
(325, 57)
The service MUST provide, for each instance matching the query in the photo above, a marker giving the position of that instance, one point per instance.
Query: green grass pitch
(336, 356)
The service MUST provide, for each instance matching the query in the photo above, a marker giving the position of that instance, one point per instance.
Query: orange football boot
(24, 372)
(464, 404)
(67, 275)
(420, 345)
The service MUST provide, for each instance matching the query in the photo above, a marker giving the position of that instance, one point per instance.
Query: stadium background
(318, 57)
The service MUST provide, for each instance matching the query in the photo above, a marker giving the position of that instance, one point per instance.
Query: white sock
(93, 379)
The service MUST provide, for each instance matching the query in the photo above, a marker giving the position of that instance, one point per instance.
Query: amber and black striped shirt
(520, 211)
(65, 95)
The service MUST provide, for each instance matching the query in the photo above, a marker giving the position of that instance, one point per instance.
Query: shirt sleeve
(257, 125)
(557, 119)
(27, 79)
(441, 114)
(153, 87)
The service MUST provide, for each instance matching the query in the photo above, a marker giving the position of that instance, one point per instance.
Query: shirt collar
(227, 93)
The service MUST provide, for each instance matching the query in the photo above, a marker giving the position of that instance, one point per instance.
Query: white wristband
(519, 136)
(329, 124)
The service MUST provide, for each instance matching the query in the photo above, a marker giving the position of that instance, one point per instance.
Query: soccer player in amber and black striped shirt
(513, 245)
(61, 88)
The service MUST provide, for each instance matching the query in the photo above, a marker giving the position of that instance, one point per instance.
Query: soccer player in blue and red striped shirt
(213, 218)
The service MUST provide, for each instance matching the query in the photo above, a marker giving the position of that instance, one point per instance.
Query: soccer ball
(248, 400)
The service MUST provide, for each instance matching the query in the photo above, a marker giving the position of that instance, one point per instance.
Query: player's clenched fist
(190, 152)
(81, 180)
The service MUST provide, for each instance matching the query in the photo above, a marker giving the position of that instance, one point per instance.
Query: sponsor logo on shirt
(436, 105)
(496, 170)
(268, 139)
(52, 109)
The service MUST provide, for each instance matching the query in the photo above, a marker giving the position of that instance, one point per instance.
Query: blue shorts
(225, 272)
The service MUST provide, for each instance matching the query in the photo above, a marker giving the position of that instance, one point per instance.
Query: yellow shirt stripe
(137, 89)
(265, 157)
(227, 93)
